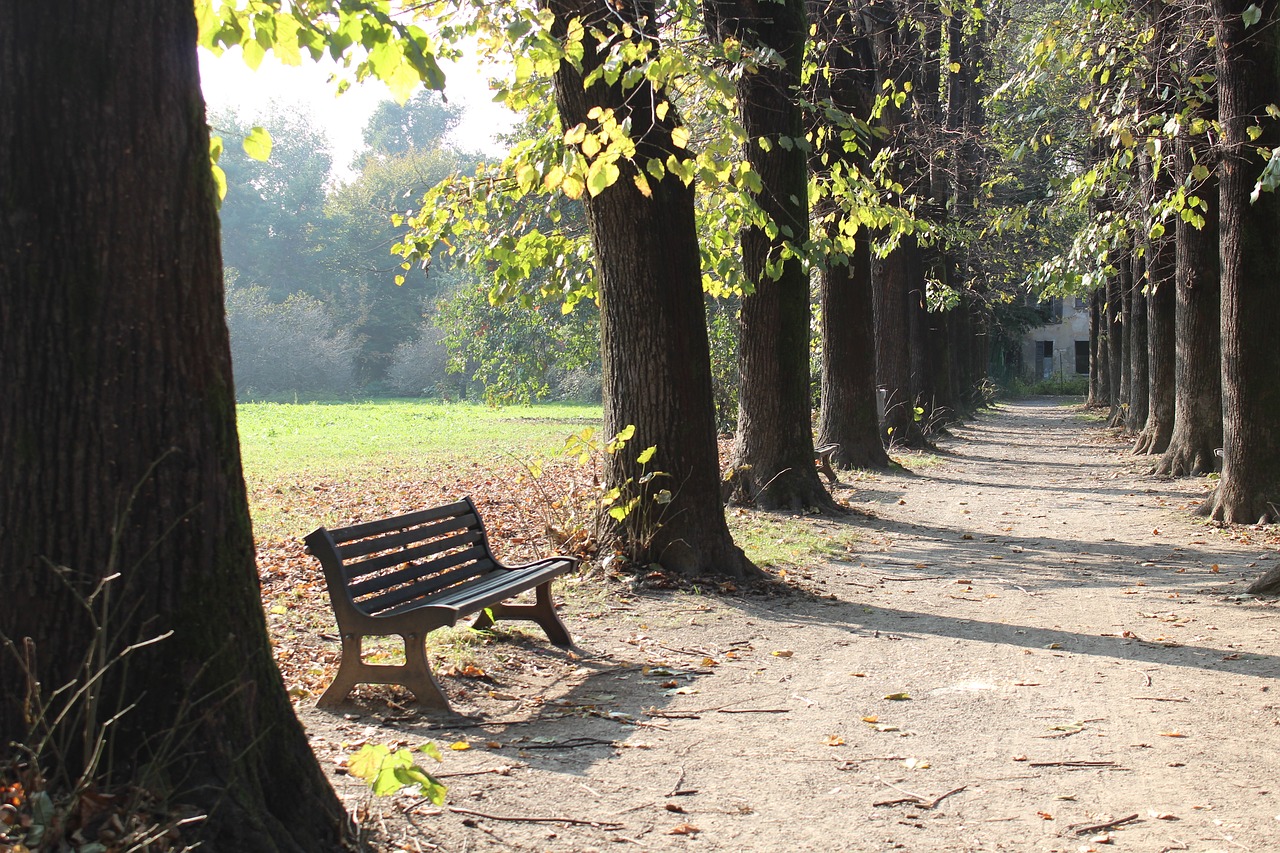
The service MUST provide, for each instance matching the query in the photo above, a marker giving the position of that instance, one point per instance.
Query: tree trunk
(1099, 363)
(654, 348)
(1197, 425)
(1115, 347)
(1160, 348)
(120, 451)
(1248, 72)
(773, 451)
(848, 413)
(1139, 366)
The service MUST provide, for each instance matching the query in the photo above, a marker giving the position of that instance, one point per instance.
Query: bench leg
(542, 611)
(348, 675)
(415, 674)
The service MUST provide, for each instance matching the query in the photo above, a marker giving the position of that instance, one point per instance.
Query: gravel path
(1024, 638)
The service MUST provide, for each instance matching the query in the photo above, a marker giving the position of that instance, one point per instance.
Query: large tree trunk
(773, 451)
(1160, 348)
(1099, 348)
(1248, 76)
(848, 413)
(1139, 366)
(1115, 348)
(120, 454)
(654, 349)
(1197, 429)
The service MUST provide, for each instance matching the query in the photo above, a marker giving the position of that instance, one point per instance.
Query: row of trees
(1169, 112)
(692, 139)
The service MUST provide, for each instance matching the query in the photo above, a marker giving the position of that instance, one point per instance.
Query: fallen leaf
(1019, 758)
(783, 653)
(871, 719)
(493, 744)
(1045, 815)
(1174, 733)
(834, 740)
(1054, 646)
(685, 829)
(459, 745)
(1214, 568)
(898, 697)
(675, 807)
(916, 764)
(1162, 815)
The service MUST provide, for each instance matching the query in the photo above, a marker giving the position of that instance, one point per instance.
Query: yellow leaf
(783, 653)
(680, 137)
(661, 110)
(871, 719)
(642, 184)
(459, 745)
(834, 740)
(898, 697)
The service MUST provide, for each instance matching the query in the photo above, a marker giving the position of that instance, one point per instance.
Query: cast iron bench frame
(411, 574)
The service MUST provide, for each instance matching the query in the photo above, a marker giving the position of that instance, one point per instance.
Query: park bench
(822, 455)
(411, 574)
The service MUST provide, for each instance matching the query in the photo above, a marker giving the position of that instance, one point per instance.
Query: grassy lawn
(329, 463)
(336, 439)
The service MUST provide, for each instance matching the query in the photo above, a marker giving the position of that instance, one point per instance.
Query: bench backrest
(379, 565)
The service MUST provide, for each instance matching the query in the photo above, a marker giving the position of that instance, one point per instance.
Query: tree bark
(120, 450)
(773, 450)
(654, 348)
(1099, 372)
(1248, 76)
(848, 413)
(1119, 397)
(1197, 429)
(1139, 366)
(1160, 348)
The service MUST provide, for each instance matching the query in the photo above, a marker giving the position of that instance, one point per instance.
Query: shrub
(418, 367)
(287, 348)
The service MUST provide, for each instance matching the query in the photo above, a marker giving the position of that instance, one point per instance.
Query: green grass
(336, 439)
(780, 541)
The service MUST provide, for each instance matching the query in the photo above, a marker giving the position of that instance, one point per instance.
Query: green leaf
(257, 144)
(219, 181)
(367, 763)
(600, 176)
(1251, 15)
(430, 748)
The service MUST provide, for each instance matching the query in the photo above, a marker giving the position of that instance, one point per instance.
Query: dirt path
(1074, 649)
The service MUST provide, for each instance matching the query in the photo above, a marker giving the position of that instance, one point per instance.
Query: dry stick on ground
(1161, 698)
(1081, 764)
(571, 821)
(915, 799)
(571, 743)
(1089, 829)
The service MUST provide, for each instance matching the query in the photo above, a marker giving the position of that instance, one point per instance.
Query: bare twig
(1072, 764)
(571, 743)
(1090, 829)
(571, 821)
(1162, 698)
(753, 710)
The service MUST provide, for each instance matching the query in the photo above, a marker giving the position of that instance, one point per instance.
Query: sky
(230, 84)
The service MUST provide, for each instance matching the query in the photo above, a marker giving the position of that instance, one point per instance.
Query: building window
(1082, 357)
(1044, 351)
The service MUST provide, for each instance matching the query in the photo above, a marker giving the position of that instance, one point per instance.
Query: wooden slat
(419, 571)
(378, 604)
(373, 528)
(360, 568)
(490, 589)
(400, 538)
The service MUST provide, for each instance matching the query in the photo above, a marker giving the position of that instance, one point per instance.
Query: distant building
(1061, 348)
